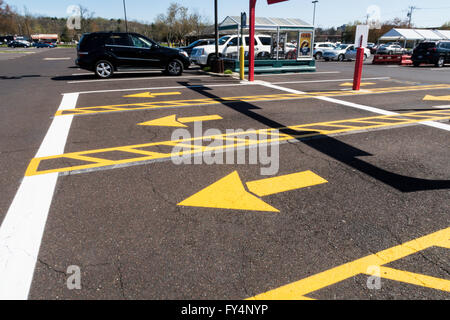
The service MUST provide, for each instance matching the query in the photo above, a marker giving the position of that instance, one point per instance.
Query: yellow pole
(242, 62)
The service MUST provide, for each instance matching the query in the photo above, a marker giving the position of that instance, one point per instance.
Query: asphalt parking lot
(358, 181)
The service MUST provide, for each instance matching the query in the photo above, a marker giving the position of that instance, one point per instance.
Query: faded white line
(23, 226)
(433, 124)
(136, 79)
(117, 72)
(296, 73)
(163, 88)
(329, 80)
(442, 107)
(56, 59)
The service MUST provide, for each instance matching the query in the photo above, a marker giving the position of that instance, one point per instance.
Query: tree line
(171, 27)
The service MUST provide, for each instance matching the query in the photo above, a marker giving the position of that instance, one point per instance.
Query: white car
(321, 47)
(228, 47)
(350, 53)
(337, 53)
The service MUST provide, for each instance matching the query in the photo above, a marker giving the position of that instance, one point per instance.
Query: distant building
(45, 37)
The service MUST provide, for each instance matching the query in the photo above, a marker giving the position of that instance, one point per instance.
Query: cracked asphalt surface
(131, 240)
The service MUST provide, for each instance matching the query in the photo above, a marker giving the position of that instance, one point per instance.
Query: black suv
(105, 52)
(435, 52)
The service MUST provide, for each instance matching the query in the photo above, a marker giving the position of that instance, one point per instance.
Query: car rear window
(91, 41)
(426, 45)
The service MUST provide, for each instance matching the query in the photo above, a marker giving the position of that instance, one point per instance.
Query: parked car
(44, 45)
(337, 53)
(200, 42)
(18, 44)
(390, 49)
(228, 47)
(321, 47)
(350, 53)
(106, 52)
(435, 52)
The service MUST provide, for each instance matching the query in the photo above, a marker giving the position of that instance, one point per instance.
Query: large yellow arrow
(230, 193)
(349, 84)
(436, 98)
(151, 95)
(172, 121)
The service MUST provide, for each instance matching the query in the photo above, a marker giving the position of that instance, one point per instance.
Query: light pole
(125, 12)
(314, 14)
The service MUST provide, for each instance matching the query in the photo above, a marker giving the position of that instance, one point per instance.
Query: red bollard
(358, 68)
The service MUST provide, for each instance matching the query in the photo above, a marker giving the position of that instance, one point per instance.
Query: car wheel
(440, 62)
(318, 56)
(416, 64)
(326, 59)
(104, 69)
(390, 52)
(341, 57)
(174, 68)
(365, 57)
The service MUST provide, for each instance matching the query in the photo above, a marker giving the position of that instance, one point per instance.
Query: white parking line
(331, 80)
(23, 226)
(296, 73)
(55, 59)
(117, 72)
(135, 79)
(163, 88)
(433, 124)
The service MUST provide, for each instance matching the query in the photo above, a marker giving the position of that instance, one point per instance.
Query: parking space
(151, 185)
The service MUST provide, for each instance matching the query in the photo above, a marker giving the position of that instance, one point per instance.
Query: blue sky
(329, 12)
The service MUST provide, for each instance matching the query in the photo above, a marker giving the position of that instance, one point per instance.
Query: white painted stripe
(330, 80)
(296, 73)
(23, 226)
(117, 72)
(135, 79)
(437, 125)
(354, 105)
(442, 107)
(163, 88)
(55, 59)
(357, 106)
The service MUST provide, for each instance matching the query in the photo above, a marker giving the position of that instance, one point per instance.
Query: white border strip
(433, 124)
(23, 226)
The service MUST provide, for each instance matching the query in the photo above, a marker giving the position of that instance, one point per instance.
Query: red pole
(251, 50)
(358, 66)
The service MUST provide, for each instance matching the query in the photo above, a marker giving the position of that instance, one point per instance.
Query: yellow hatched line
(301, 288)
(415, 278)
(203, 101)
(239, 139)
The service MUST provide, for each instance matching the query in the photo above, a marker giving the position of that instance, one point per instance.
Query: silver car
(336, 54)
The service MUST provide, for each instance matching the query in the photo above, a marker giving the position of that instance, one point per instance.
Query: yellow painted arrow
(350, 84)
(230, 193)
(151, 95)
(436, 98)
(172, 121)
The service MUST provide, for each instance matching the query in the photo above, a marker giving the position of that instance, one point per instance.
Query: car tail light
(432, 49)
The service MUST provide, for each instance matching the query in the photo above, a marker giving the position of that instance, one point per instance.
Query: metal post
(216, 29)
(278, 42)
(125, 12)
(314, 14)
(251, 45)
(358, 66)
